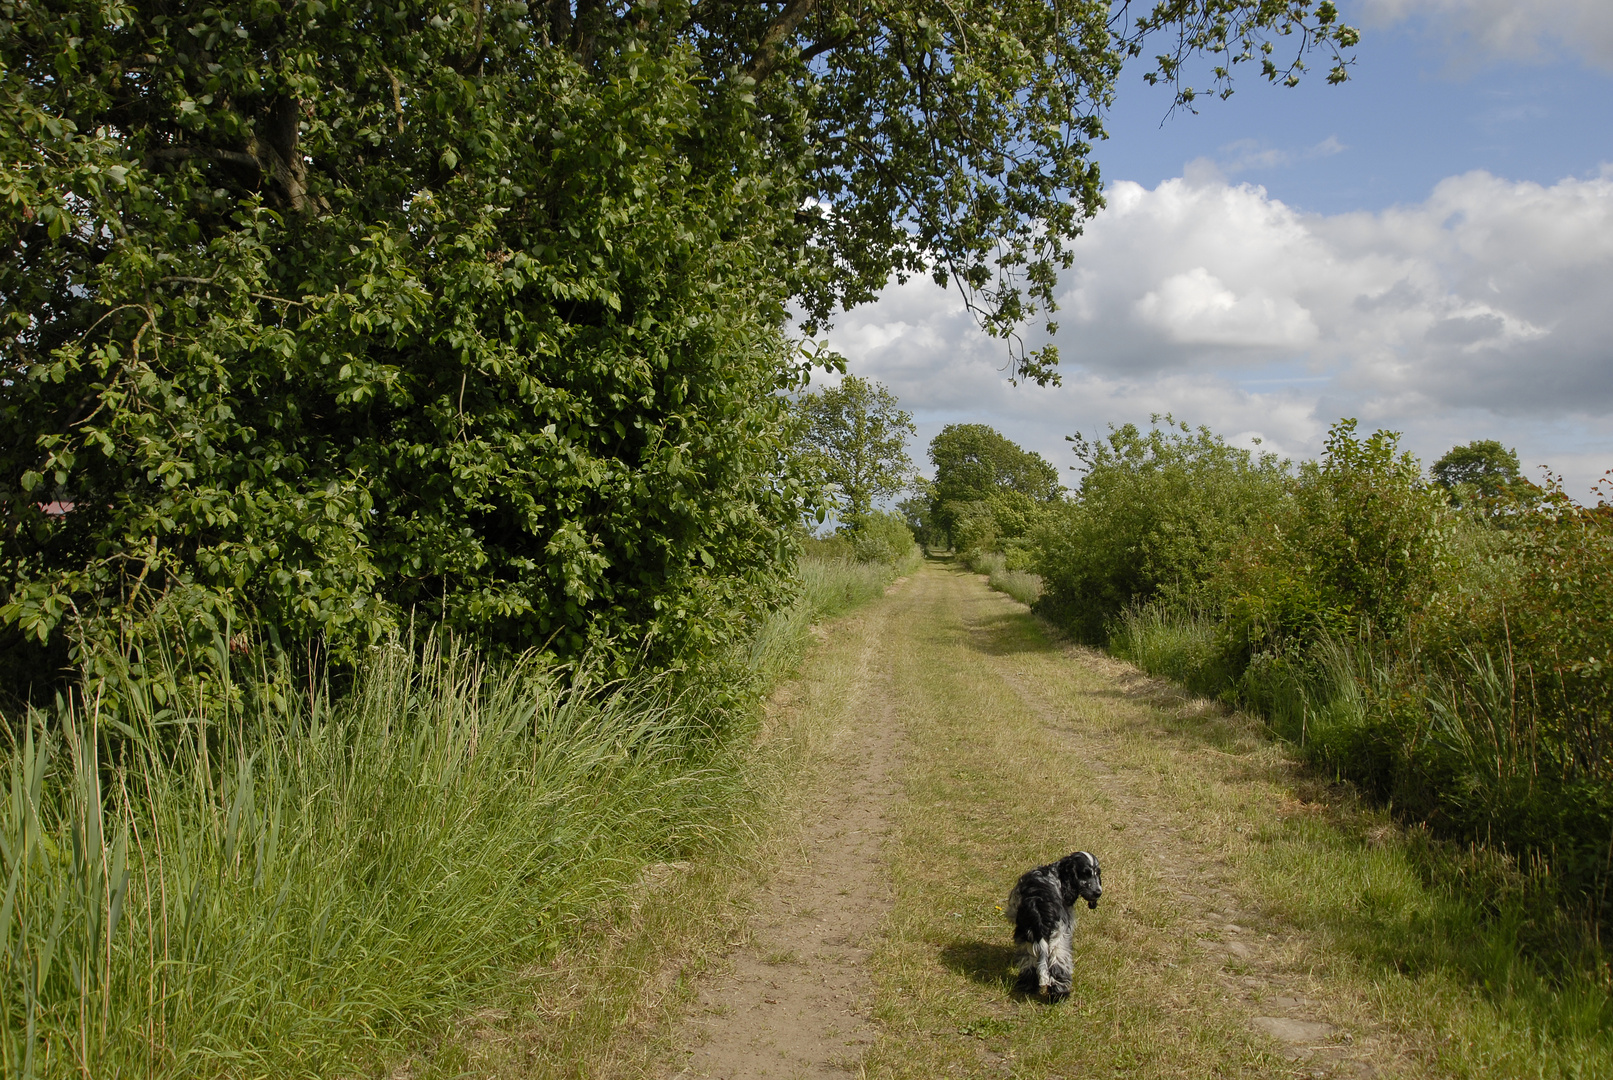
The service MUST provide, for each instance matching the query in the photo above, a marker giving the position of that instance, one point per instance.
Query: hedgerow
(1456, 663)
(318, 317)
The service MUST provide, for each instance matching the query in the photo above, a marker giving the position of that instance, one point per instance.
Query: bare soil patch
(793, 998)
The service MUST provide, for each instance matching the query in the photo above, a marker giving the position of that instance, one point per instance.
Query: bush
(882, 536)
(1156, 514)
(1507, 713)
(1004, 523)
(1359, 545)
(878, 537)
(1457, 666)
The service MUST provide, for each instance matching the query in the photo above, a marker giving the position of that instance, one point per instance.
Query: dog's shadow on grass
(987, 963)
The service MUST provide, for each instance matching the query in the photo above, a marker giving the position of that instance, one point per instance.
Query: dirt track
(975, 746)
(794, 999)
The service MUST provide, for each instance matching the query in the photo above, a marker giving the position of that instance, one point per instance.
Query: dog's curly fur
(1042, 909)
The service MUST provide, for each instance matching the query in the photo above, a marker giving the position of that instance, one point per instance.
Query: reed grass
(279, 880)
(294, 890)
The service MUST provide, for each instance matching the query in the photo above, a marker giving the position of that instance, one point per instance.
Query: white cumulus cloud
(1480, 312)
(1195, 308)
(1487, 294)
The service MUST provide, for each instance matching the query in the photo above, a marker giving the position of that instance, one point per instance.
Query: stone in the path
(1293, 1031)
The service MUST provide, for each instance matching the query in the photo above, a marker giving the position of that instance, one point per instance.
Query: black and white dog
(1042, 909)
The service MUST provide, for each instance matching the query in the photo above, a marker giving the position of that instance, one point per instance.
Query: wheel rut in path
(794, 998)
(1262, 967)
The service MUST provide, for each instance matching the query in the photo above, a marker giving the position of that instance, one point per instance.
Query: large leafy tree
(976, 466)
(975, 461)
(855, 436)
(326, 314)
(329, 310)
(1482, 473)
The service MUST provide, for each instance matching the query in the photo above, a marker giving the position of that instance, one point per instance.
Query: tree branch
(275, 143)
(585, 29)
(817, 49)
(559, 21)
(474, 57)
(180, 153)
(397, 96)
(778, 32)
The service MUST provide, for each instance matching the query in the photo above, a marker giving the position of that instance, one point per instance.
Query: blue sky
(1417, 108)
(1428, 247)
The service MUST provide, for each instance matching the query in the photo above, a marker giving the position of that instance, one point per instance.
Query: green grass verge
(1020, 584)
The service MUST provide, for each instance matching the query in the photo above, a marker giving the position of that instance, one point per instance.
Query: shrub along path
(1255, 921)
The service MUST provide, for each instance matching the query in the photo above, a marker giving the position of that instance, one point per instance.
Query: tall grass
(1320, 700)
(830, 586)
(1021, 585)
(986, 562)
(1176, 645)
(294, 890)
(278, 880)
